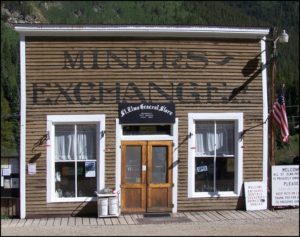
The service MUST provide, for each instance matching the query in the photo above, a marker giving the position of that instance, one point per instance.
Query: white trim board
(141, 31)
(23, 128)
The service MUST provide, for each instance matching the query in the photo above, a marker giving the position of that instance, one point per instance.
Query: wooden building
(161, 114)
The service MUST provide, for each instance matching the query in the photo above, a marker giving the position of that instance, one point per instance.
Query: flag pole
(272, 136)
(271, 125)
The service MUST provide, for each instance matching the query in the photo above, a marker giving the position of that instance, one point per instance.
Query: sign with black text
(135, 113)
(285, 185)
(255, 195)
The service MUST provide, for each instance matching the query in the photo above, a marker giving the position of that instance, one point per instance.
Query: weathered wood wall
(207, 75)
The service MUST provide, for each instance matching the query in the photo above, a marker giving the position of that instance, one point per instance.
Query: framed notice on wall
(31, 168)
(256, 196)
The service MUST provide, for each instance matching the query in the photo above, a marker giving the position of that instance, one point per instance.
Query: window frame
(52, 120)
(237, 118)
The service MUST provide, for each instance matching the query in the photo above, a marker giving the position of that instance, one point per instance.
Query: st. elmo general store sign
(146, 113)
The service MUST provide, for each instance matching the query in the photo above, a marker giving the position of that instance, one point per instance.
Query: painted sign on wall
(140, 59)
(175, 92)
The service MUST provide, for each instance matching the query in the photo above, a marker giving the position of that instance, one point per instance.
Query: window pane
(205, 138)
(133, 164)
(86, 179)
(225, 174)
(159, 164)
(65, 179)
(225, 138)
(64, 142)
(86, 142)
(204, 174)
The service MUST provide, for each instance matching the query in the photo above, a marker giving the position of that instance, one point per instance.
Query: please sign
(285, 185)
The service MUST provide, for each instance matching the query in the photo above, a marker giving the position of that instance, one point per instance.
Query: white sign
(32, 168)
(90, 169)
(7, 183)
(202, 168)
(285, 185)
(6, 171)
(256, 196)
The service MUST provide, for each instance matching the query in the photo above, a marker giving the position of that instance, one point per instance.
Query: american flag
(280, 117)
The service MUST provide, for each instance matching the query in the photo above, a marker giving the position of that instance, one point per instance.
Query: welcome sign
(133, 113)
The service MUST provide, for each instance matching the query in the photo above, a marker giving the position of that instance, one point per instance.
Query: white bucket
(113, 206)
(103, 206)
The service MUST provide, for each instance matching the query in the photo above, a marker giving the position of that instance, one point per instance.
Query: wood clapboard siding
(200, 88)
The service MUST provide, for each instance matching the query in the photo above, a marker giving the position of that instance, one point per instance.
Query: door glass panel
(159, 164)
(133, 164)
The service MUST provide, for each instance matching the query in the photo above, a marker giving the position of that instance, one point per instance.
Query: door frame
(173, 137)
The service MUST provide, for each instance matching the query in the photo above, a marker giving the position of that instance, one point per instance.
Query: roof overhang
(141, 31)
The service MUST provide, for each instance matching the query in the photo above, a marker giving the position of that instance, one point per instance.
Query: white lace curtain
(208, 140)
(86, 140)
(65, 142)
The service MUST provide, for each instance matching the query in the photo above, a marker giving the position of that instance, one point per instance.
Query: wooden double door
(146, 176)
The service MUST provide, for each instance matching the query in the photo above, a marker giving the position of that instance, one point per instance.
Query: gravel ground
(287, 224)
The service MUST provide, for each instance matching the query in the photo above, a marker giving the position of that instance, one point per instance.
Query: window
(147, 130)
(76, 165)
(75, 160)
(215, 157)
